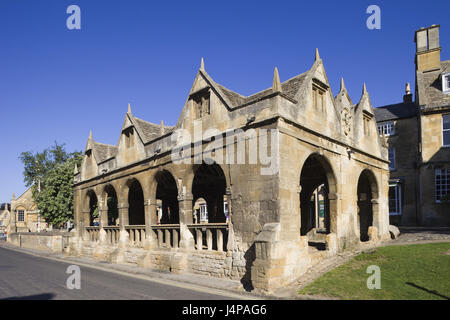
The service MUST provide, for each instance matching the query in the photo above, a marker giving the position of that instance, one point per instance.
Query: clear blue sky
(57, 84)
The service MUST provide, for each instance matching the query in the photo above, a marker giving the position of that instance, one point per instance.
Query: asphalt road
(24, 276)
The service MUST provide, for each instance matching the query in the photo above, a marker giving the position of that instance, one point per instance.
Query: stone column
(150, 219)
(123, 221)
(84, 222)
(230, 241)
(185, 208)
(103, 217)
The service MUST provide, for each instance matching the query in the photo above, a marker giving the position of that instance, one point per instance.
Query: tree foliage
(52, 170)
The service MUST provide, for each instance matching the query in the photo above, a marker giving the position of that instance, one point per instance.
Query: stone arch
(133, 193)
(318, 196)
(91, 208)
(210, 183)
(165, 193)
(367, 202)
(111, 205)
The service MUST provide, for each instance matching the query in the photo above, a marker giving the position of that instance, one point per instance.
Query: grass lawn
(412, 272)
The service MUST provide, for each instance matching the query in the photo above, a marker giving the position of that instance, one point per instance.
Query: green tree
(52, 169)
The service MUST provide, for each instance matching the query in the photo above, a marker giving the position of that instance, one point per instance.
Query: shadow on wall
(246, 280)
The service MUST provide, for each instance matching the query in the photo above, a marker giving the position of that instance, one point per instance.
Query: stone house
(256, 164)
(25, 216)
(5, 212)
(418, 133)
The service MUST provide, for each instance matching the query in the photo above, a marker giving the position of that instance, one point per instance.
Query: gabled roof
(289, 88)
(149, 131)
(395, 111)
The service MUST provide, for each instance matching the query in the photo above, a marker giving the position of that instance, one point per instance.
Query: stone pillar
(123, 221)
(185, 208)
(103, 217)
(150, 219)
(230, 242)
(84, 222)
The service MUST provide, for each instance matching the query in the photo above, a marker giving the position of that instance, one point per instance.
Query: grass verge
(408, 272)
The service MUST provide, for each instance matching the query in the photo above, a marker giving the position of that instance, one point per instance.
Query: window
(386, 128)
(202, 104)
(129, 137)
(366, 123)
(442, 183)
(391, 158)
(225, 209)
(395, 199)
(446, 130)
(21, 215)
(446, 83)
(203, 212)
(318, 98)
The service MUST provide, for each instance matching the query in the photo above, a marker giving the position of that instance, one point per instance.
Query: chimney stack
(428, 51)
(407, 98)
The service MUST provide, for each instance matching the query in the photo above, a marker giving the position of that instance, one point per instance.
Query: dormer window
(129, 137)
(386, 128)
(318, 95)
(201, 102)
(446, 83)
(366, 122)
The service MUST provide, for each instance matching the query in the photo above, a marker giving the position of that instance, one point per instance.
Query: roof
(395, 111)
(289, 88)
(150, 131)
(104, 152)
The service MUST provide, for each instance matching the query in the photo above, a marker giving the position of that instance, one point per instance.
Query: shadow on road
(43, 296)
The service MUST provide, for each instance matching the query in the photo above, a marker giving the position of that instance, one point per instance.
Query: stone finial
(342, 85)
(162, 127)
(129, 108)
(276, 85)
(14, 196)
(317, 55)
(408, 88)
(364, 89)
(202, 65)
(75, 170)
(90, 135)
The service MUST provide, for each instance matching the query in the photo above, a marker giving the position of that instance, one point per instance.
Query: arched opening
(136, 213)
(316, 181)
(365, 210)
(94, 219)
(210, 184)
(112, 205)
(167, 198)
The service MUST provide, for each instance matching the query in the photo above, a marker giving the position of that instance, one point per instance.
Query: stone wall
(54, 242)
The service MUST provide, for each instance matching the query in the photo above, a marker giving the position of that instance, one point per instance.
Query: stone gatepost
(185, 207)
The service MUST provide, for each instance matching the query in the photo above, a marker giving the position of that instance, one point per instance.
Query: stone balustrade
(136, 235)
(167, 235)
(210, 236)
(112, 234)
(93, 233)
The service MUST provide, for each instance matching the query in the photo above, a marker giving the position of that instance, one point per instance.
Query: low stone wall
(48, 241)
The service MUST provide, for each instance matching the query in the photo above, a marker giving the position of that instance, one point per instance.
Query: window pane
(446, 121)
(446, 136)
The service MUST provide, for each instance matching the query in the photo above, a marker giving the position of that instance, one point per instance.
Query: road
(24, 276)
